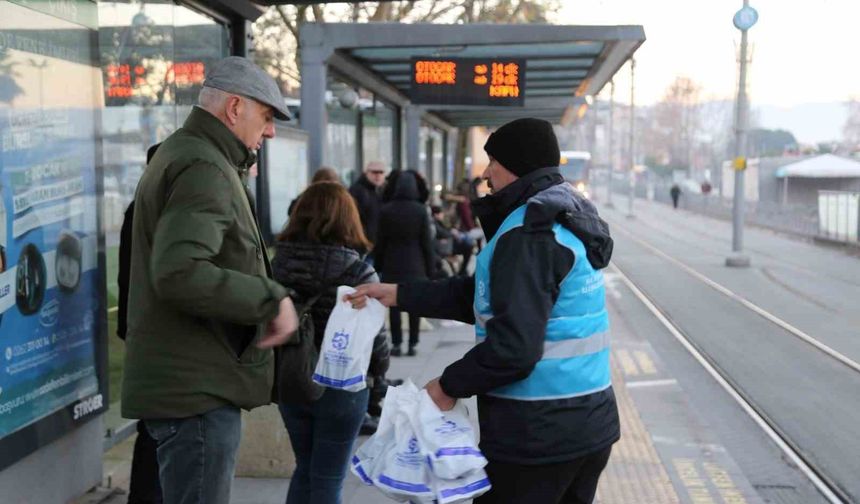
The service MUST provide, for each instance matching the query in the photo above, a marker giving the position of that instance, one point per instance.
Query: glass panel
(342, 105)
(287, 171)
(199, 42)
(154, 57)
(378, 133)
(50, 96)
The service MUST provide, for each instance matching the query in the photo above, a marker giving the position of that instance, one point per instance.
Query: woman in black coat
(404, 243)
(320, 250)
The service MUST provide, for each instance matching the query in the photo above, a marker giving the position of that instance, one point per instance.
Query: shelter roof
(564, 65)
(823, 166)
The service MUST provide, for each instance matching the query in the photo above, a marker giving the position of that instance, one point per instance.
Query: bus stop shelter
(564, 67)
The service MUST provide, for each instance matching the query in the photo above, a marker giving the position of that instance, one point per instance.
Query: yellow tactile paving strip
(635, 474)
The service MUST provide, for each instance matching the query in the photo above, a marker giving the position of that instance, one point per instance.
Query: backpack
(298, 359)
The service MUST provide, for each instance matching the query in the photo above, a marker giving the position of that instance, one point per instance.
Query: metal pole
(738, 259)
(630, 173)
(611, 144)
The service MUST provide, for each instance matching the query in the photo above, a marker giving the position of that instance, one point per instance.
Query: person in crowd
(367, 193)
(404, 245)
(467, 224)
(675, 193)
(450, 242)
(540, 368)
(321, 247)
(204, 311)
(144, 486)
(324, 174)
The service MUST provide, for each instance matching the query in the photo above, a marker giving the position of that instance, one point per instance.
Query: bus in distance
(574, 167)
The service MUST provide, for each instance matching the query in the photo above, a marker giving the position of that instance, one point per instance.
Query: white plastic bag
(465, 487)
(447, 437)
(348, 343)
(367, 458)
(403, 473)
(396, 461)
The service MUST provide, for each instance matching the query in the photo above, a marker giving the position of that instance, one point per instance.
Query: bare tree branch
(293, 27)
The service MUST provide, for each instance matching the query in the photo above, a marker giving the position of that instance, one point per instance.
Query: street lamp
(744, 19)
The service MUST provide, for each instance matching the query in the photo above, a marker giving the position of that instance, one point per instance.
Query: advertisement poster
(49, 285)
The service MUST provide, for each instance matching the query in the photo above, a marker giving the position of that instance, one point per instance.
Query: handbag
(298, 359)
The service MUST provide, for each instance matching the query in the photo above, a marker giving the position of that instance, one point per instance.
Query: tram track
(746, 303)
(828, 488)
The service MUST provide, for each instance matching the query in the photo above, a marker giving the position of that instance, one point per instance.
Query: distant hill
(809, 122)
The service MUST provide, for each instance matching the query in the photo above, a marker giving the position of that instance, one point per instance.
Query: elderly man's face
(376, 175)
(254, 123)
(497, 176)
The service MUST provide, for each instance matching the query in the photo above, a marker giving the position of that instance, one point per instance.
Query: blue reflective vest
(575, 358)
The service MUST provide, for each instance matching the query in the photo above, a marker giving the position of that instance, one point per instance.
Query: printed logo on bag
(410, 457)
(340, 341)
(450, 427)
(413, 445)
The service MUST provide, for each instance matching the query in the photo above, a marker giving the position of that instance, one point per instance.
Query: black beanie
(524, 145)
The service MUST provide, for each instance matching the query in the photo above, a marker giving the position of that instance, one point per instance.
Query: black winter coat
(124, 273)
(369, 203)
(307, 267)
(526, 269)
(404, 244)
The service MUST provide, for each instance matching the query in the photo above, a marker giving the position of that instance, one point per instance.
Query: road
(808, 396)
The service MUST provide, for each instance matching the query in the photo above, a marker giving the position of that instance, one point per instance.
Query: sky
(802, 51)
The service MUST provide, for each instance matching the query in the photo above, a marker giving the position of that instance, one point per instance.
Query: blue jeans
(197, 455)
(322, 434)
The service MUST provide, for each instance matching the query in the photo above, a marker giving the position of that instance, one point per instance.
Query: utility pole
(744, 19)
(611, 144)
(631, 173)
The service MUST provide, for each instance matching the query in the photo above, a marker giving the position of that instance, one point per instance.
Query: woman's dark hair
(326, 214)
(393, 189)
(325, 174)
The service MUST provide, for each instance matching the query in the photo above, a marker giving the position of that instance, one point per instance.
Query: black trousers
(397, 331)
(572, 482)
(144, 487)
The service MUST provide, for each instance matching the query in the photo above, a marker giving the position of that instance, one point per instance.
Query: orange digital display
(124, 80)
(468, 81)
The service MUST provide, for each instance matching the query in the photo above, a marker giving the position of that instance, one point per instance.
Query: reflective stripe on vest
(575, 359)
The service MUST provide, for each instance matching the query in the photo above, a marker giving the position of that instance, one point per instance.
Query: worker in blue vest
(540, 367)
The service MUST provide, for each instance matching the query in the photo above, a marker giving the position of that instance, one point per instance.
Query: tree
(276, 33)
(9, 88)
(851, 129)
(675, 125)
(766, 142)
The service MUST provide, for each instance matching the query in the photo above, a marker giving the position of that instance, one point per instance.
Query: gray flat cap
(238, 75)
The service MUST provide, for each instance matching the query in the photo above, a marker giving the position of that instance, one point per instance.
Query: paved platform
(644, 468)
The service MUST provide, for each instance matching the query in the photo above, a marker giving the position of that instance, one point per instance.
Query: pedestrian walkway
(639, 472)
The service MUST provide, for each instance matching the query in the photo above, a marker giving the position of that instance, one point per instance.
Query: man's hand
(384, 293)
(443, 401)
(282, 327)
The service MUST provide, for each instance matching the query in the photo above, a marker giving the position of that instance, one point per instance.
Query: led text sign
(468, 81)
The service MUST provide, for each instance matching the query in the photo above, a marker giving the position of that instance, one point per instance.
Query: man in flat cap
(204, 312)
(540, 366)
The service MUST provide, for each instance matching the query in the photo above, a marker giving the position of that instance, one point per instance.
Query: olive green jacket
(200, 291)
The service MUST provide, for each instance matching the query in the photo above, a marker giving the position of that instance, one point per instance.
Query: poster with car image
(49, 284)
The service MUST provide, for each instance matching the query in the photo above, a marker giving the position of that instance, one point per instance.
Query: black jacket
(527, 267)
(307, 268)
(369, 203)
(404, 243)
(124, 272)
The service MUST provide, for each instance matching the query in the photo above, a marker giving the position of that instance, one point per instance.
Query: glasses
(376, 172)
